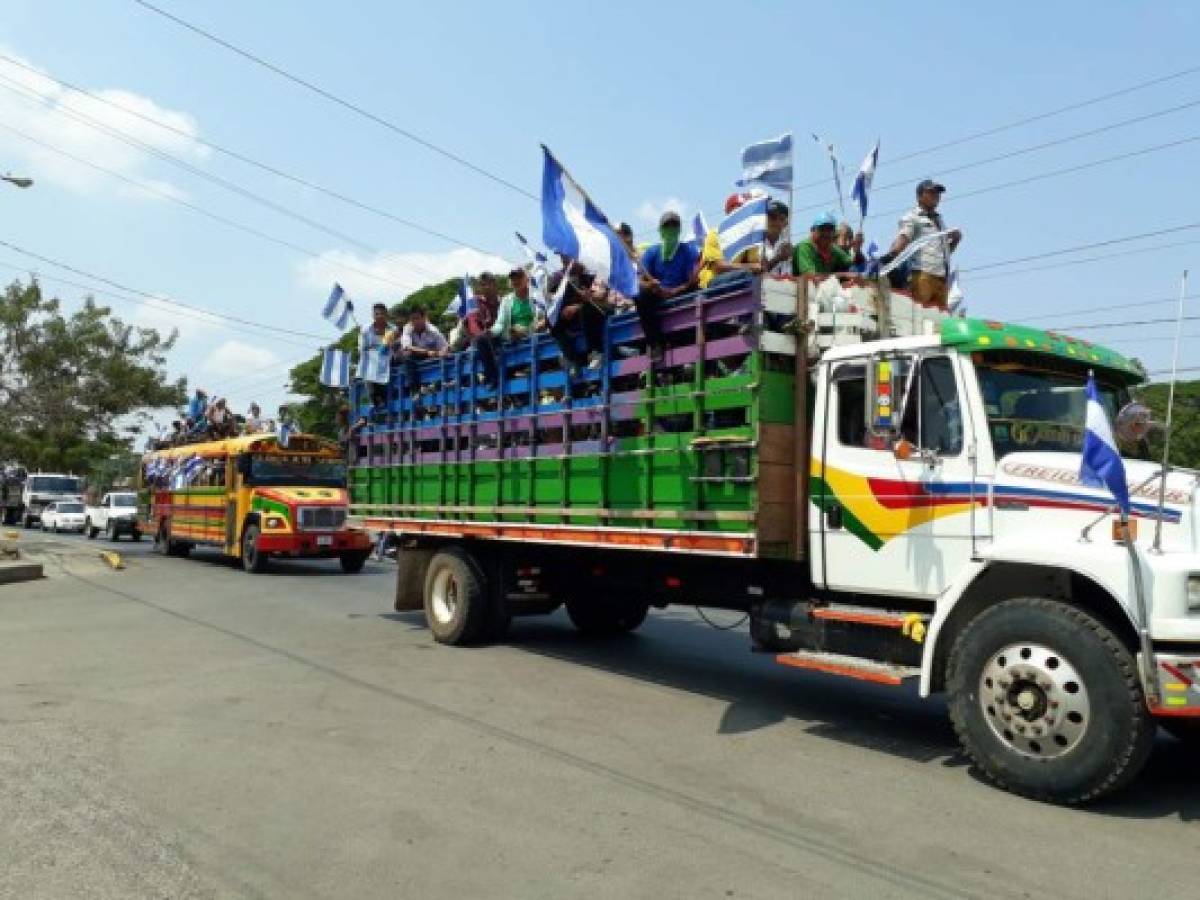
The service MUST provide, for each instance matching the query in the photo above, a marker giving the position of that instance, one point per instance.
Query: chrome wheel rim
(444, 597)
(1034, 700)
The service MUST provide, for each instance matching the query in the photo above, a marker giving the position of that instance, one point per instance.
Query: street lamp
(16, 180)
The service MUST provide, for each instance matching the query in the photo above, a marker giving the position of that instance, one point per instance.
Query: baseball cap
(825, 219)
(670, 217)
(930, 185)
(777, 208)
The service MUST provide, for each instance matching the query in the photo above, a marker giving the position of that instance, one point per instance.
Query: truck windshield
(70, 507)
(296, 471)
(1034, 409)
(55, 484)
(124, 500)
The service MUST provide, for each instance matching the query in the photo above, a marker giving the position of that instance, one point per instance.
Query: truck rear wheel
(1047, 702)
(601, 615)
(90, 530)
(457, 604)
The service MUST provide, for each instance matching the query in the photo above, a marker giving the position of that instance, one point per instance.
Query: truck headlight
(1193, 592)
(278, 522)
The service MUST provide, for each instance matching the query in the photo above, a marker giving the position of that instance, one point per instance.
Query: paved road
(181, 729)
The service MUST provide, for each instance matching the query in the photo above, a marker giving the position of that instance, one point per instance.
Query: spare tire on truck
(1047, 701)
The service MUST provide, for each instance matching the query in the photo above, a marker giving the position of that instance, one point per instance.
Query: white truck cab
(43, 488)
(945, 475)
(115, 515)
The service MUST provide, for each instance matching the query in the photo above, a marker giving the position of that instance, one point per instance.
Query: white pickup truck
(116, 515)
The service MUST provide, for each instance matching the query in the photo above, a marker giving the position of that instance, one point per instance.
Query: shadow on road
(685, 654)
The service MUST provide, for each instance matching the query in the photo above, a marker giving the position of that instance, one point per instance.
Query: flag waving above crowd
(338, 308)
(768, 163)
(861, 191)
(573, 226)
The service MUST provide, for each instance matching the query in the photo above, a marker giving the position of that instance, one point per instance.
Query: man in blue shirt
(669, 269)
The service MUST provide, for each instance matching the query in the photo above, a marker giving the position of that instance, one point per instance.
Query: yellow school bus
(252, 498)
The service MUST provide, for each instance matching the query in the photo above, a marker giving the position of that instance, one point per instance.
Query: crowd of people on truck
(210, 419)
(667, 268)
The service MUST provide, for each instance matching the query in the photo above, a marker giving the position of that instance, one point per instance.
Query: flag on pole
(536, 257)
(768, 163)
(743, 228)
(1100, 464)
(573, 226)
(553, 304)
(837, 171)
(954, 293)
(338, 308)
(862, 182)
(464, 301)
(699, 230)
(284, 433)
(374, 365)
(335, 368)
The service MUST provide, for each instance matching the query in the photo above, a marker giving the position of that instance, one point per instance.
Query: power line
(1108, 243)
(324, 339)
(1095, 309)
(1033, 148)
(1129, 323)
(334, 98)
(117, 134)
(248, 160)
(1069, 170)
(1071, 107)
(166, 195)
(1085, 260)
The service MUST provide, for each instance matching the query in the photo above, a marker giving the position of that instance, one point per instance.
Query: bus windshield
(55, 484)
(296, 471)
(1034, 409)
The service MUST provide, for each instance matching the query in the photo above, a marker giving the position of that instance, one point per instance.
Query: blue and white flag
(335, 368)
(861, 191)
(338, 308)
(464, 301)
(536, 257)
(699, 230)
(744, 228)
(1100, 464)
(910, 251)
(192, 468)
(768, 163)
(553, 305)
(283, 434)
(954, 294)
(374, 364)
(573, 226)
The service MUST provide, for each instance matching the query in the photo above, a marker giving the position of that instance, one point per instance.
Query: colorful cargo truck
(889, 493)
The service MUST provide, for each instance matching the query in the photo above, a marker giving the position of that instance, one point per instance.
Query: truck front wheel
(606, 615)
(1047, 702)
(456, 598)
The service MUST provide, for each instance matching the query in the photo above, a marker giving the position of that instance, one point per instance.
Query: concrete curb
(14, 573)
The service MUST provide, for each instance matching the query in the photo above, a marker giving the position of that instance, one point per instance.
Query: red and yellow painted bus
(251, 498)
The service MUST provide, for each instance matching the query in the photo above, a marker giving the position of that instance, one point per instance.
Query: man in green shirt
(518, 317)
(820, 255)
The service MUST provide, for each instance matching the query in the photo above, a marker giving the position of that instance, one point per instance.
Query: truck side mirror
(887, 394)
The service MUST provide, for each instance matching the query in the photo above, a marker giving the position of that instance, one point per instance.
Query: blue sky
(639, 100)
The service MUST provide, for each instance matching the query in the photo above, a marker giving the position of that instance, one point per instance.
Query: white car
(65, 515)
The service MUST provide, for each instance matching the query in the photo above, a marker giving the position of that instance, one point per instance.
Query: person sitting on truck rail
(669, 268)
(715, 269)
(419, 341)
(581, 317)
(820, 255)
(929, 281)
(517, 318)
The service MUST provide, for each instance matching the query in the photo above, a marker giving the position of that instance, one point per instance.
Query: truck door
(893, 523)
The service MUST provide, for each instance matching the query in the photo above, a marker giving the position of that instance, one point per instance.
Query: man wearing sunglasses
(669, 269)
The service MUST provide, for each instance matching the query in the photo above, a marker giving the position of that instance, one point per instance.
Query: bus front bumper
(315, 544)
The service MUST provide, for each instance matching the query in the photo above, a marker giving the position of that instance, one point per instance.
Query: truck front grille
(322, 518)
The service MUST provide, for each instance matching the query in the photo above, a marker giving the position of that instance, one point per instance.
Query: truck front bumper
(1178, 685)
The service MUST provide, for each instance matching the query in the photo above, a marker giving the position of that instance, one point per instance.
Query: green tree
(1185, 425)
(69, 383)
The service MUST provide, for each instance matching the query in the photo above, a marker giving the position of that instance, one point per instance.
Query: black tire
(456, 599)
(165, 546)
(89, 530)
(1100, 731)
(254, 560)
(135, 535)
(1182, 728)
(352, 563)
(597, 615)
(110, 531)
